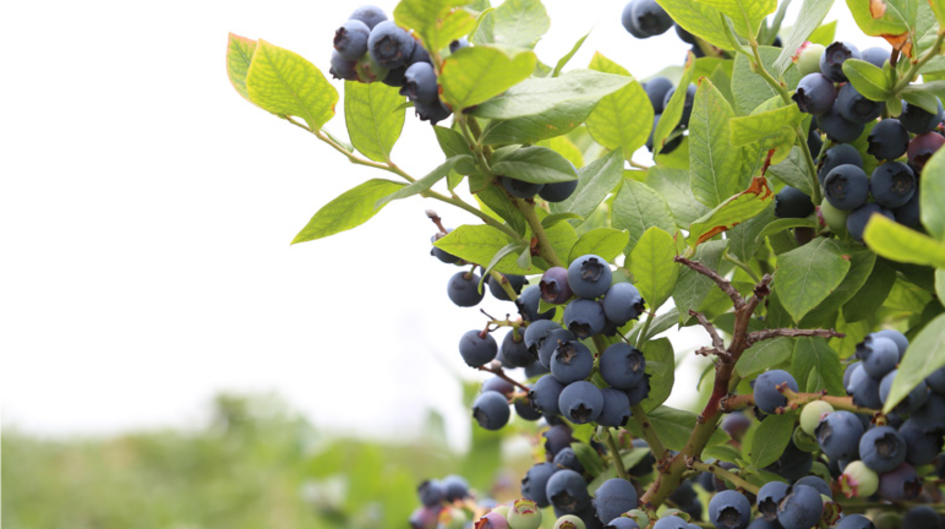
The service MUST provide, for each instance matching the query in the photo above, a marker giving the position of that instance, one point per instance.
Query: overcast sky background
(147, 210)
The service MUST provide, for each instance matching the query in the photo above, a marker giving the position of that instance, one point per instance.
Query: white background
(147, 210)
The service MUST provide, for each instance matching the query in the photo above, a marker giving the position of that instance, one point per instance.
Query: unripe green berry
(808, 60)
(858, 480)
(836, 219)
(812, 413)
(804, 442)
(524, 514)
(888, 520)
(501, 509)
(569, 521)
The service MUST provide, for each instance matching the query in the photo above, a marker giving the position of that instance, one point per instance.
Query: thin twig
(717, 341)
(767, 334)
(499, 372)
(723, 283)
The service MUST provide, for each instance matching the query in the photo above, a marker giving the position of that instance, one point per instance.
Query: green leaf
(713, 163)
(750, 89)
(555, 218)
(541, 94)
(674, 109)
(671, 425)
(518, 23)
(556, 121)
(890, 19)
(538, 165)
(699, 18)
(351, 209)
(565, 147)
(693, 287)
(812, 13)
(816, 366)
(651, 263)
(607, 243)
(239, 55)
(744, 238)
(637, 208)
(793, 171)
(478, 243)
(940, 283)
(764, 355)
(285, 84)
(899, 243)
(623, 119)
(861, 266)
(673, 184)
(499, 202)
(588, 457)
(732, 212)
(872, 294)
(475, 74)
(564, 60)
(425, 183)
(453, 144)
(868, 80)
(824, 35)
(769, 124)
(373, 117)
(938, 7)
(661, 367)
(562, 237)
(437, 22)
(595, 182)
(721, 453)
(746, 15)
(925, 355)
(772, 437)
(807, 275)
(932, 195)
(921, 97)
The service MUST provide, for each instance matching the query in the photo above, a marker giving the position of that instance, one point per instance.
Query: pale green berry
(808, 58)
(813, 412)
(502, 509)
(453, 518)
(569, 521)
(836, 219)
(524, 514)
(858, 480)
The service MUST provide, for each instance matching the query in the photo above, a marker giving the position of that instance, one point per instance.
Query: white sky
(147, 210)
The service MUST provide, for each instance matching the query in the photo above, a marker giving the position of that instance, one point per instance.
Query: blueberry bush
(793, 209)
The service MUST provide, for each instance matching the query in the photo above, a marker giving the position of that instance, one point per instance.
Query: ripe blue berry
(420, 83)
(792, 203)
(917, 120)
(729, 509)
(516, 353)
(801, 508)
(535, 482)
(687, 104)
(839, 435)
(671, 522)
(883, 358)
(567, 491)
(932, 414)
(554, 286)
(622, 303)
(847, 187)
(558, 191)
(856, 222)
(622, 522)
(458, 44)
(888, 140)
(892, 184)
(520, 188)
(584, 317)
(424, 517)
(768, 498)
(463, 289)
(831, 62)
(370, 15)
(761, 523)
(614, 497)
(491, 410)
(528, 305)
(342, 68)
(351, 40)
(838, 128)
(622, 366)
(815, 94)
(581, 402)
(767, 397)
(477, 350)
(545, 394)
(864, 389)
(836, 156)
(390, 45)
(526, 409)
(536, 333)
(902, 343)
(882, 449)
(433, 112)
(649, 19)
(855, 108)
(684, 35)
(819, 484)
(589, 276)
(936, 381)
(639, 392)
(921, 517)
(550, 344)
(499, 385)
(913, 401)
(656, 90)
(626, 18)
(855, 521)
(901, 484)
(571, 361)
(875, 56)
(923, 443)
(567, 459)
(616, 410)
(557, 438)
(431, 492)
(793, 464)
(736, 425)
(922, 147)
(495, 286)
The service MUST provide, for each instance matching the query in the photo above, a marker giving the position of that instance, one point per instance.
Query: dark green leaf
(764, 355)
(793, 171)
(424, 183)
(538, 165)
(732, 212)
(607, 243)
(588, 457)
(805, 276)
(555, 121)
(772, 437)
(868, 80)
(672, 425)
(861, 266)
(871, 296)
(351, 209)
(661, 367)
(750, 89)
(692, 287)
(555, 218)
(932, 195)
(816, 366)
(595, 182)
(453, 144)
(638, 207)
(743, 239)
(673, 184)
(673, 111)
(498, 201)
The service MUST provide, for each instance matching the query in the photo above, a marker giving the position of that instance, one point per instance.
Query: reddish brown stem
(767, 334)
(499, 372)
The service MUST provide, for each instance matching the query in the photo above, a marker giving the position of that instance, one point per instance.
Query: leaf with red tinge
(732, 212)
(239, 55)
(893, 20)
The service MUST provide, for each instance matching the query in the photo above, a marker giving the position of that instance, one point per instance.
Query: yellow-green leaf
(351, 209)
(899, 243)
(713, 164)
(698, 18)
(926, 354)
(475, 74)
(623, 119)
(437, 22)
(732, 212)
(375, 117)
(932, 195)
(653, 266)
(746, 15)
(239, 55)
(770, 124)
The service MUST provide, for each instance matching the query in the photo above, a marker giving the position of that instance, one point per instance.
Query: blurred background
(168, 359)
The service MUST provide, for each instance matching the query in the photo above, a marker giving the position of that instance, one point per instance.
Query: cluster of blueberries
(370, 48)
(646, 18)
(660, 90)
(438, 498)
(902, 145)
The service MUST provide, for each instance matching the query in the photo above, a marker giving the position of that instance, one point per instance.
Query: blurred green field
(256, 464)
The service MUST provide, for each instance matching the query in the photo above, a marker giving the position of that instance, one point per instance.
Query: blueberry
(492, 520)
(838, 128)
(793, 464)
(463, 289)
(626, 19)
(856, 222)
(370, 15)
(736, 425)
(848, 372)
(616, 410)
(839, 435)
(864, 389)
(581, 402)
(516, 353)
(351, 40)
(801, 508)
(901, 484)
(767, 397)
(645, 466)
(639, 392)
(495, 287)
(567, 491)
(614, 497)
(892, 184)
(720, 484)
(476, 349)
(831, 62)
(888, 140)
(902, 343)
(622, 522)
(882, 359)
(499, 385)
(668, 147)
(342, 68)
(491, 410)
(554, 286)
(558, 191)
(815, 94)
(526, 409)
(921, 517)
(528, 305)
(792, 203)
(817, 483)
(922, 147)
(882, 449)
(431, 492)
(687, 104)
(589, 276)
(856, 108)
(536, 333)
(836, 156)
(917, 120)
(572, 361)
(649, 18)
(424, 517)
(445, 257)
(936, 381)
(520, 188)
(684, 35)
(729, 509)
(557, 438)
(544, 395)
(584, 317)
(684, 494)
(390, 45)
(768, 498)
(622, 303)
(875, 56)
(622, 366)
(856, 521)
(550, 344)
(433, 112)
(932, 413)
(671, 522)
(847, 187)
(420, 83)
(924, 443)
(535, 482)
(761, 523)
(567, 459)
(458, 44)
(815, 142)
(913, 401)
(656, 90)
